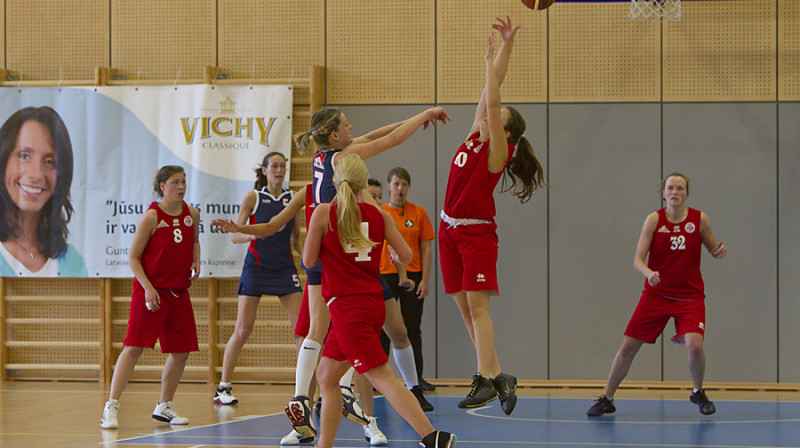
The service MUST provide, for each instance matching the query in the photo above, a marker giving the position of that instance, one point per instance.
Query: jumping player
(164, 258)
(347, 235)
(468, 244)
(671, 242)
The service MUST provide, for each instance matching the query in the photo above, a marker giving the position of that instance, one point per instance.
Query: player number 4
(363, 254)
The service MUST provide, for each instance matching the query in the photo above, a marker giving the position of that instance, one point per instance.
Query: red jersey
(470, 185)
(352, 271)
(167, 257)
(675, 253)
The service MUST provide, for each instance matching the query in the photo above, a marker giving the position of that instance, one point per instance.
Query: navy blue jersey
(323, 189)
(273, 253)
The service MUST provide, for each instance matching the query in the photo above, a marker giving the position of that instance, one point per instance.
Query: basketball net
(656, 10)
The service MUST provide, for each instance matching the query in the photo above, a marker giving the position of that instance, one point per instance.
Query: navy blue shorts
(387, 291)
(257, 281)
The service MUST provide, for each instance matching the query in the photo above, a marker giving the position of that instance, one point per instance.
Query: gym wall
(612, 106)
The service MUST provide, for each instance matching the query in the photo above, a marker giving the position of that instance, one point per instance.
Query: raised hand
(506, 30)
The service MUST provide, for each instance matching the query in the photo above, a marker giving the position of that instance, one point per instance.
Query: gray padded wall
(604, 177)
(567, 283)
(729, 152)
(520, 312)
(788, 242)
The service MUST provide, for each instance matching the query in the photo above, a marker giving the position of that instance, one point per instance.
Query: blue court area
(538, 423)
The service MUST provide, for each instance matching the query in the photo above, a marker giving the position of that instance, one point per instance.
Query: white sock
(404, 358)
(347, 378)
(223, 385)
(306, 364)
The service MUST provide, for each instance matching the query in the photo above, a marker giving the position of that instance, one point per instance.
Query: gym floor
(67, 414)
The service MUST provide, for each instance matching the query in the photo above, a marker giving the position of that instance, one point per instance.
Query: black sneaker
(506, 386)
(706, 406)
(601, 406)
(426, 386)
(351, 408)
(423, 403)
(483, 391)
(438, 439)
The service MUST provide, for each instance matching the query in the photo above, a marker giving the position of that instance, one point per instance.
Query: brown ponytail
(523, 170)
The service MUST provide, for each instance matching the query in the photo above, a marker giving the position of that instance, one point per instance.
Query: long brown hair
(523, 169)
(51, 230)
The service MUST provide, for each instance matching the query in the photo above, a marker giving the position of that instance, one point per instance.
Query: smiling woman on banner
(35, 207)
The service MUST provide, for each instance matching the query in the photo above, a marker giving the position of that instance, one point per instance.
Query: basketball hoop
(656, 10)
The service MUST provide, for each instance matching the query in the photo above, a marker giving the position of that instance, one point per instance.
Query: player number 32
(677, 242)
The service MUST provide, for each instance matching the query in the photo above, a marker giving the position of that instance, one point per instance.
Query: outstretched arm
(268, 228)
(399, 133)
(498, 148)
(378, 133)
(507, 32)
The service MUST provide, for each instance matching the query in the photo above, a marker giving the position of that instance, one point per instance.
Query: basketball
(538, 5)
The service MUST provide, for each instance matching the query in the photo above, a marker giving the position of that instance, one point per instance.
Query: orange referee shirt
(415, 226)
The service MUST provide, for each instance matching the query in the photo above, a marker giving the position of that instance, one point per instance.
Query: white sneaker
(295, 438)
(109, 418)
(373, 434)
(224, 396)
(165, 413)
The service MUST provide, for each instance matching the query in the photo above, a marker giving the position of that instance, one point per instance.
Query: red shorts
(468, 256)
(172, 324)
(653, 312)
(355, 334)
(304, 317)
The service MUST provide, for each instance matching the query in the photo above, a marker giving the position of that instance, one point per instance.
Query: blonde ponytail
(350, 177)
(322, 124)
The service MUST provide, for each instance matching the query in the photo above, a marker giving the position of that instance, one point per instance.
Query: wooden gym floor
(67, 414)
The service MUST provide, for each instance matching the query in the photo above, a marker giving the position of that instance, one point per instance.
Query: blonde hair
(323, 123)
(350, 177)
